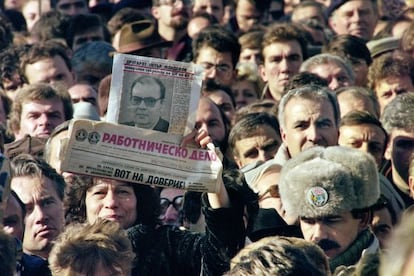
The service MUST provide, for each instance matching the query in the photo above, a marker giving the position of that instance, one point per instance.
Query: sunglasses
(177, 203)
(148, 101)
(272, 191)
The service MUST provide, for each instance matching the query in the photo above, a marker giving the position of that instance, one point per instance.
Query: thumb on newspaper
(197, 138)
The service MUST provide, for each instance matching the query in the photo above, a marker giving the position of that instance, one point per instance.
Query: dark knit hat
(335, 4)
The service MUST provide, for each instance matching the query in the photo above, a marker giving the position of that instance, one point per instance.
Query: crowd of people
(311, 104)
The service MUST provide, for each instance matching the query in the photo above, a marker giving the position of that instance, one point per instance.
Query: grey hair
(327, 58)
(310, 92)
(399, 113)
(361, 93)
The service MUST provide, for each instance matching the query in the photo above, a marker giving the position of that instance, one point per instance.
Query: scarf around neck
(353, 253)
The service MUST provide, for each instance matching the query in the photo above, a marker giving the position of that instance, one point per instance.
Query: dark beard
(180, 24)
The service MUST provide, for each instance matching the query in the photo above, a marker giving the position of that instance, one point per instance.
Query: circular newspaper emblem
(81, 135)
(94, 137)
(317, 196)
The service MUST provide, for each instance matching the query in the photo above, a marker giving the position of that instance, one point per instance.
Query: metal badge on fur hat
(326, 181)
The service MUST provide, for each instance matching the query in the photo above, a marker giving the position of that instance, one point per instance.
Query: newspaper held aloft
(139, 156)
(153, 93)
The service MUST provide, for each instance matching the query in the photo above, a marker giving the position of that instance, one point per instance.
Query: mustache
(183, 13)
(328, 244)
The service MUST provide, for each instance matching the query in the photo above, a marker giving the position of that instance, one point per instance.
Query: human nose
(72, 10)
(110, 200)
(203, 127)
(364, 147)
(239, 98)
(171, 214)
(252, 21)
(284, 65)
(334, 84)
(319, 232)
(254, 59)
(267, 155)
(142, 105)
(262, 156)
(312, 133)
(356, 17)
(43, 119)
(40, 215)
(211, 73)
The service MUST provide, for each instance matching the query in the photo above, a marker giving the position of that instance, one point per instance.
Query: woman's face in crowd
(112, 200)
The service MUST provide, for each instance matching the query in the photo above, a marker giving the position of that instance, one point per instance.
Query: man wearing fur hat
(331, 191)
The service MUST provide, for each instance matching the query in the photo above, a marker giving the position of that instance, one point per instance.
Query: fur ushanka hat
(327, 181)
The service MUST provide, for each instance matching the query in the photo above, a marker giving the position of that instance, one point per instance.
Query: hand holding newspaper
(152, 107)
(220, 197)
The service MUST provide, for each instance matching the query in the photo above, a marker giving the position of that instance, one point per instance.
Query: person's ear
(388, 150)
(263, 73)
(332, 23)
(411, 185)
(155, 12)
(238, 162)
(365, 218)
(283, 135)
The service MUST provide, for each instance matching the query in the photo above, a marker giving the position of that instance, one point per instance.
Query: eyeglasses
(221, 68)
(173, 2)
(148, 101)
(177, 203)
(273, 191)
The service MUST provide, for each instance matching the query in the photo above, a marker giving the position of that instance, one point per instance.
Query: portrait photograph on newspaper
(155, 94)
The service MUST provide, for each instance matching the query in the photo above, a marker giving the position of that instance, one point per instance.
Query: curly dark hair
(148, 202)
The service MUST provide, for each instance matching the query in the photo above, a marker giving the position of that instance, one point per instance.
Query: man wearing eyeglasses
(217, 50)
(171, 202)
(146, 99)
